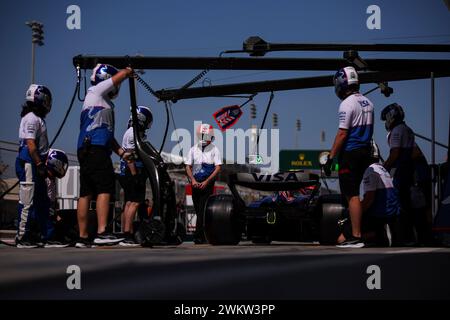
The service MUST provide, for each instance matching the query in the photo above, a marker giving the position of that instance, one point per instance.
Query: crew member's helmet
(103, 72)
(40, 96)
(57, 163)
(392, 115)
(205, 134)
(345, 82)
(145, 118)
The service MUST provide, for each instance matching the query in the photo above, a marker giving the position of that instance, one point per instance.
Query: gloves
(327, 167)
(42, 170)
(128, 156)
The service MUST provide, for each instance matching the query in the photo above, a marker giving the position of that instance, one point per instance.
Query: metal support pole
(253, 156)
(429, 140)
(370, 91)
(264, 120)
(254, 138)
(133, 102)
(33, 45)
(433, 148)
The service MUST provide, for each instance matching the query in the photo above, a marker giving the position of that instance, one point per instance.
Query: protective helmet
(145, 118)
(41, 97)
(103, 72)
(392, 115)
(343, 79)
(57, 163)
(205, 134)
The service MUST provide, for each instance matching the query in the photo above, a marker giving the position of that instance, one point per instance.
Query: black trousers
(199, 197)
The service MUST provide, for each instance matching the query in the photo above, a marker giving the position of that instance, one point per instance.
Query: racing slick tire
(332, 207)
(222, 226)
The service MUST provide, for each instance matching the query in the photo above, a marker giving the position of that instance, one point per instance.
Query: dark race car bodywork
(294, 213)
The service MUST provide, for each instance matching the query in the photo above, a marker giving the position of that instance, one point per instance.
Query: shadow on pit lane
(279, 271)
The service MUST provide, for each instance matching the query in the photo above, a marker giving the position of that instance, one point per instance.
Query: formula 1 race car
(296, 212)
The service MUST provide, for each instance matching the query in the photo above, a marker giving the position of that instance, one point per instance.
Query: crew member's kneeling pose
(133, 175)
(381, 206)
(57, 164)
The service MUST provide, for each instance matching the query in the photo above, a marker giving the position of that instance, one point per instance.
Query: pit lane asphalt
(189, 272)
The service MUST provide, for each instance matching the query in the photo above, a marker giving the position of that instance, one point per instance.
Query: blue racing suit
(34, 202)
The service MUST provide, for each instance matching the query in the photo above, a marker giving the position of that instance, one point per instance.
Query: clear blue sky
(204, 28)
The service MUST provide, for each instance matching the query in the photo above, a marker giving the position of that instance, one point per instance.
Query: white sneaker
(55, 244)
(83, 243)
(107, 239)
(351, 243)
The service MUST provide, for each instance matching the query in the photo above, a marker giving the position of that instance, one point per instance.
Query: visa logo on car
(277, 177)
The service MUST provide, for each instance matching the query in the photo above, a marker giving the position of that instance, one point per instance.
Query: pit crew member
(380, 205)
(203, 163)
(352, 144)
(400, 162)
(34, 226)
(133, 175)
(95, 143)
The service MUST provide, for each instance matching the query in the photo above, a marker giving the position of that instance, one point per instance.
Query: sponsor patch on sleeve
(31, 128)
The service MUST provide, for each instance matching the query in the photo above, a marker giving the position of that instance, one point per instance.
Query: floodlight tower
(37, 37)
(298, 126)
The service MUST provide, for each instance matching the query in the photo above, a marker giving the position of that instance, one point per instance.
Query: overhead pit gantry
(377, 71)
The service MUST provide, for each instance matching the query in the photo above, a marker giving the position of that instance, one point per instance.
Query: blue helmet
(392, 115)
(145, 118)
(41, 96)
(57, 163)
(343, 79)
(102, 72)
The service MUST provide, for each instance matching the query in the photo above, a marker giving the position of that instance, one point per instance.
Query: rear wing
(281, 181)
